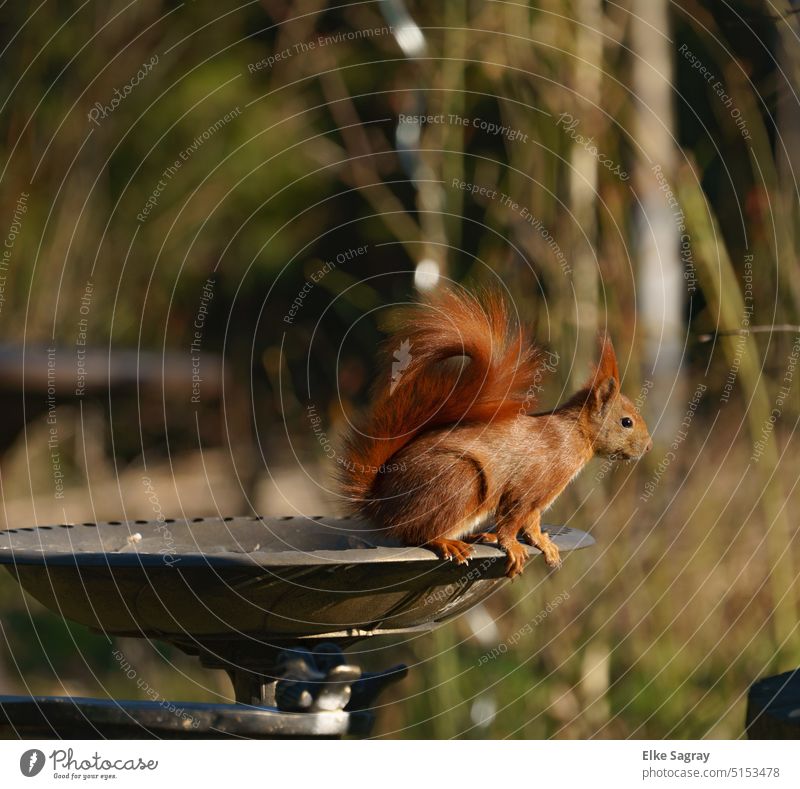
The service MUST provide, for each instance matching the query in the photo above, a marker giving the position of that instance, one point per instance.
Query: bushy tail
(425, 381)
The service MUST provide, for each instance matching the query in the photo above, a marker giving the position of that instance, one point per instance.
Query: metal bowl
(235, 585)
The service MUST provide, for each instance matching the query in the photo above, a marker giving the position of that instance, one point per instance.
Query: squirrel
(451, 440)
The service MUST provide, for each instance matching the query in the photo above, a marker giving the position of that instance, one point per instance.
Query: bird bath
(270, 600)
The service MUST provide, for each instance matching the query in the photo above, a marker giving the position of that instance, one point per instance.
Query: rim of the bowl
(23, 548)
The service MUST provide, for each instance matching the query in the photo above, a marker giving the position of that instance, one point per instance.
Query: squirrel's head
(618, 430)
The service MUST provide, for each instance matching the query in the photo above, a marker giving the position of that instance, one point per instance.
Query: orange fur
(447, 444)
(498, 379)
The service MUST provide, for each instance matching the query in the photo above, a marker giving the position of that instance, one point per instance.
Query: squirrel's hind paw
(451, 549)
(517, 556)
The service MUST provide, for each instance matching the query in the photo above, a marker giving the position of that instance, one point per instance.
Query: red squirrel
(450, 439)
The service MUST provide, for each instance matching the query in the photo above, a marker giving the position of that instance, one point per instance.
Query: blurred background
(207, 211)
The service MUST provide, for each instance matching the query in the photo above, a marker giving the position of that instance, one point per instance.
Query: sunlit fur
(459, 442)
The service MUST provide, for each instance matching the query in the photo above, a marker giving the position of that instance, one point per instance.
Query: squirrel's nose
(649, 445)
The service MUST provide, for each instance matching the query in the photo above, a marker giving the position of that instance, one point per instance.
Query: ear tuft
(607, 368)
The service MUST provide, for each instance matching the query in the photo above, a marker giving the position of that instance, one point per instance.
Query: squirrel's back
(454, 358)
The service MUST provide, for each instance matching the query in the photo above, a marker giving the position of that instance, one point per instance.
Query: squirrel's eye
(626, 421)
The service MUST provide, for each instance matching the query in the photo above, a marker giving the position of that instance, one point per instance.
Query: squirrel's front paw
(551, 554)
(548, 548)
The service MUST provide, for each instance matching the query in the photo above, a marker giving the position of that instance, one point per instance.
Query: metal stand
(303, 693)
(271, 601)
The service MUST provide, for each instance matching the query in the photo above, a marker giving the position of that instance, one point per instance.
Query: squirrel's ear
(604, 384)
(604, 392)
(607, 368)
